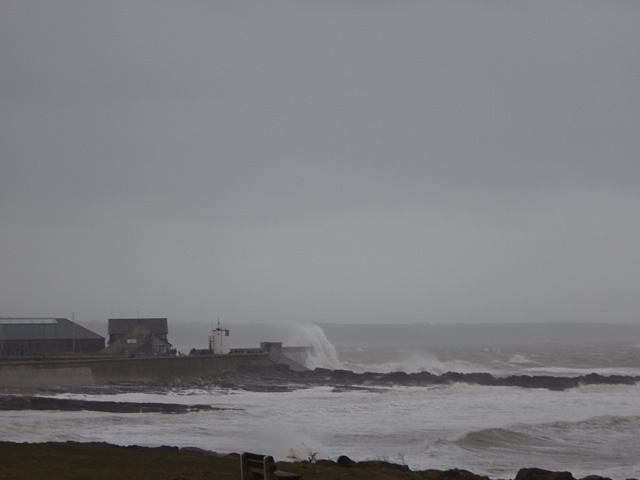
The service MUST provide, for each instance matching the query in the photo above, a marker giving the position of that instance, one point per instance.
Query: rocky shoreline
(347, 377)
(278, 380)
(282, 380)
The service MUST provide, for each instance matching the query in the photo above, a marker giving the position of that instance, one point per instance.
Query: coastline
(249, 372)
(261, 380)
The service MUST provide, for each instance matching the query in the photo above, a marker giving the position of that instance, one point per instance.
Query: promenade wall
(88, 371)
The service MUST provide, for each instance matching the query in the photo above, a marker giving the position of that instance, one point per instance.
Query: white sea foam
(402, 359)
(520, 359)
(410, 364)
(575, 371)
(431, 427)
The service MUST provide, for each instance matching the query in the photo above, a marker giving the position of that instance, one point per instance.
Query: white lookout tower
(218, 341)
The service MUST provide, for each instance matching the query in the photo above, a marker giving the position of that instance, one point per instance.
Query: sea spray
(323, 354)
(398, 359)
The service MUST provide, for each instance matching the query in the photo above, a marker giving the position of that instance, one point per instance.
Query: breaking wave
(551, 446)
(560, 439)
(323, 354)
(502, 438)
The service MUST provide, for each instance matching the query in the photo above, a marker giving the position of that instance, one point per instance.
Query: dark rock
(345, 462)
(463, 475)
(14, 402)
(200, 451)
(540, 474)
(595, 477)
(398, 376)
(453, 474)
(380, 464)
(166, 448)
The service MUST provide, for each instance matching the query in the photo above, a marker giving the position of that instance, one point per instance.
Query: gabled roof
(121, 326)
(48, 328)
(140, 337)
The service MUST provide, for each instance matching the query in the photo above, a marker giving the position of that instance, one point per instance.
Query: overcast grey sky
(327, 161)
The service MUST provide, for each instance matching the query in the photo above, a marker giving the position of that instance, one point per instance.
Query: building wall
(118, 327)
(101, 371)
(139, 341)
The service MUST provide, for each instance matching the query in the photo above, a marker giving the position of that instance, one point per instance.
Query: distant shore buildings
(46, 336)
(139, 336)
(55, 336)
(49, 337)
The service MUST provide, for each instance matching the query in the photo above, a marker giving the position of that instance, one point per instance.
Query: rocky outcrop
(540, 474)
(279, 379)
(345, 462)
(13, 402)
(250, 371)
(347, 377)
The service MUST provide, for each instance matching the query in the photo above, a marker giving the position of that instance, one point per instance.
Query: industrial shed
(46, 337)
(139, 336)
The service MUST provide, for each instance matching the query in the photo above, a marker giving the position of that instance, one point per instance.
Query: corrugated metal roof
(60, 328)
(27, 321)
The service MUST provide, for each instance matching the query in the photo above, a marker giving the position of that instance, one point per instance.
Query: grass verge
(101, 461)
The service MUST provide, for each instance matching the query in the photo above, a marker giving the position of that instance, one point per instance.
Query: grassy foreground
(57, 461)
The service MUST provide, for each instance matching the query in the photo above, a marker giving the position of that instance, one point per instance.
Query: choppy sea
(493, 431)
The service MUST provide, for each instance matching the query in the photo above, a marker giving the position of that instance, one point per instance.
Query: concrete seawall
(90, 371)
